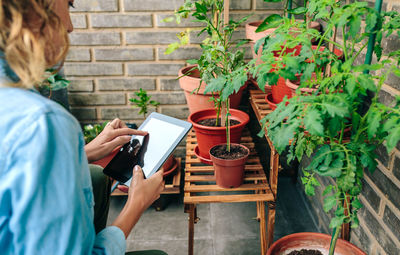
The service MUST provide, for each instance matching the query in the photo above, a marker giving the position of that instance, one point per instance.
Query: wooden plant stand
(200, 188)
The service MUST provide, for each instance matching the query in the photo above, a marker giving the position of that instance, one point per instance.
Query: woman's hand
(142, 193)
(115, 134)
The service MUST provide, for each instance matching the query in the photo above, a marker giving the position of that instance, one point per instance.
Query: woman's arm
(142, 193)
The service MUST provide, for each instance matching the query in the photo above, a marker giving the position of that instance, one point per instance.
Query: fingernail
(136, 168)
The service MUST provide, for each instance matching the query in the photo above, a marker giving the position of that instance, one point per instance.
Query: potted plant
(340, 124)
(55, 87)
(219, 60)
(218, 46)
(143, 101)
(257, 31)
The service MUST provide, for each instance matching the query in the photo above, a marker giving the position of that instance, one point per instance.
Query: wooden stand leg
(271, 223)
(191, 228)
(263, 235)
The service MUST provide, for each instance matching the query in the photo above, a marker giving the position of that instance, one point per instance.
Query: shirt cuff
(110, 240)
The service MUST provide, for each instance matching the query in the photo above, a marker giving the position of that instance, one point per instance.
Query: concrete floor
(228, 228)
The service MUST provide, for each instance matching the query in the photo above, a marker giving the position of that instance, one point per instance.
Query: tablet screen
(161, 137)
(150, 152)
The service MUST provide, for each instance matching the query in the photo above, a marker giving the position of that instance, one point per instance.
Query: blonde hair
(30, 37)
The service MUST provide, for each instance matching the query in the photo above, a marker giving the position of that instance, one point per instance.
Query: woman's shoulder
(20, 108)
(17, 101)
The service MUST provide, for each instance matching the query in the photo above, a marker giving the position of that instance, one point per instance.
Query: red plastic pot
(280, 90)
(196, 99)
(229, 173)
(207, 137)
(314, 241)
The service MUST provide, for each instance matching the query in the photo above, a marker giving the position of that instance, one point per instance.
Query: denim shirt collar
(7, 75)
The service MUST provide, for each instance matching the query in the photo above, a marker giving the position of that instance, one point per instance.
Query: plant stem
(228, 125)
(335, 236)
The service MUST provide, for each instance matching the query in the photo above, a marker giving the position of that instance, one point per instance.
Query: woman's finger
(127, 131)
(123, 188)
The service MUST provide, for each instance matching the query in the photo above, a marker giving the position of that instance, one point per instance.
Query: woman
(46, 199)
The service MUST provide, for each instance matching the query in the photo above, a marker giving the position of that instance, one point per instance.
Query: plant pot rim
(315, 235)
(294, 86)
(196, 125)
(241, 145)
(187, 68)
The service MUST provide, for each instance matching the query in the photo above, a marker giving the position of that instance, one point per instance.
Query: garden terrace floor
(223, 228)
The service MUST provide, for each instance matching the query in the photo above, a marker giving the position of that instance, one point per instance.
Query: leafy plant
(91, 131)
(143, 101)
(337, 126)
(221, 60)
(53, 81)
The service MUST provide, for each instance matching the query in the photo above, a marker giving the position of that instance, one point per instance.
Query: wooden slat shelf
(198, 174)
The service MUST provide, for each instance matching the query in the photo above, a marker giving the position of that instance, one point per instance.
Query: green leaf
(309, 189)
(370, 22)
(215, 85)
(298, 10)
(356, 204)
(239, 81)
(374, 120)
(201, 8)
(271, 21)
(335, 109)
(171, 48)
(336, 222)
(393, 138)
(355, 24)
(312, 121)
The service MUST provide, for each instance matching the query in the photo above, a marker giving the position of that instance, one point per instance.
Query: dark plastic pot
(196, 99)
(314, 241)
(207, 137)
(229, 173)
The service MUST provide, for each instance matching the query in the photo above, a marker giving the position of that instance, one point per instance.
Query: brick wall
(118, 47)
(379, 231)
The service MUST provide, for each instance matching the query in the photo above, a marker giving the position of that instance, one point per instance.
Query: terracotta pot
(229, 173)
(207, 137)
(170, 165)
(196, 99)
(254, 37)
(270, 101)
(315, 241)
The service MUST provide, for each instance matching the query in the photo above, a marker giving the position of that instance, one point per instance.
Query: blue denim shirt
(46, 199)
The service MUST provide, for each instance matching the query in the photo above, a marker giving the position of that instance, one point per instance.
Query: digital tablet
(150, 151)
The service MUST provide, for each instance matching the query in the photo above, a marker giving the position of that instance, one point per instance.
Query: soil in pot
(236, 152)
(306, 252)
(212, 122)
